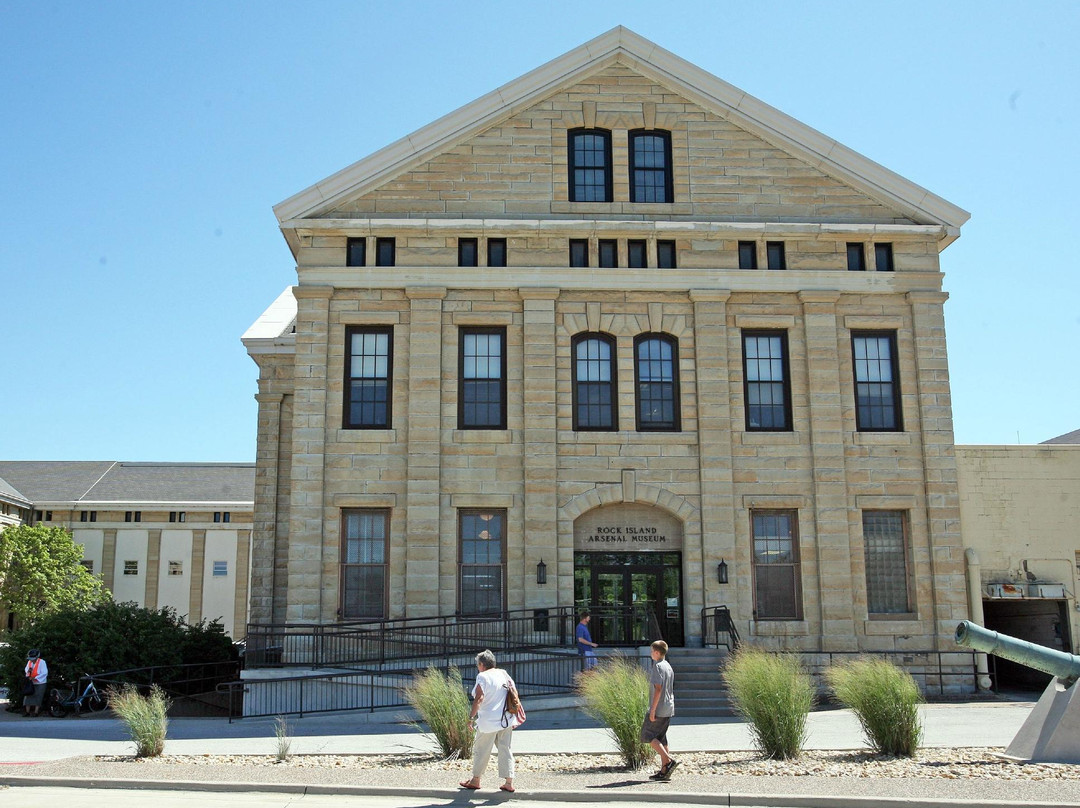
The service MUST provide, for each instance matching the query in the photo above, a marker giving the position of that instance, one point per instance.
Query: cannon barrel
(1056, 663)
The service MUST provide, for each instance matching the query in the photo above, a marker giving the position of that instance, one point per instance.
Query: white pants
(482, 753)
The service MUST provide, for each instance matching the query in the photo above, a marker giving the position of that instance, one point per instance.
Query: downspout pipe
(975, 609)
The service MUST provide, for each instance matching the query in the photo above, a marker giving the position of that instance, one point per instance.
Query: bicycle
(62, 701)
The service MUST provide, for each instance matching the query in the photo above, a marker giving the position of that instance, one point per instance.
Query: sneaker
(668, 769)
(659, 775)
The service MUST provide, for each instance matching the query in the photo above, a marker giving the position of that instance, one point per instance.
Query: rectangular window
(176, 568)
(220, 569)
(777, 577)
(637, 254)
(888, 571)
(482, 553)
(48, 516)
(217, 516)
(84, 516)
(665, 254)
(226, 516)
(131, 567)
(589, 164)
(364, 563)
(877, 382)
(609, 253)
(88, 565)
(747, 255)
(496, 248)
(650, 166)
(883, 257)
(856, 257)
(594, 382)
(766, 381)
(579, 252)
(656, 372)
(775, 252)
(138, 516)
(385, 252)
(93, 516)
(127, 516)
(482, 378)
(368, 377)
(468, 254)
(356, 252)
(172, 516)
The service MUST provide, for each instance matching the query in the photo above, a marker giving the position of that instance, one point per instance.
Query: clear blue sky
(142, 145)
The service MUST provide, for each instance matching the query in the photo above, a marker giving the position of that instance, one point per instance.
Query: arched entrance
(628, 564)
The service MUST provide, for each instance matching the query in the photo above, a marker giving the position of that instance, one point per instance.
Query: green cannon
(1051, 732)
(1057, 663)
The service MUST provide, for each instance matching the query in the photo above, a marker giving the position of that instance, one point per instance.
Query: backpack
(513, 712)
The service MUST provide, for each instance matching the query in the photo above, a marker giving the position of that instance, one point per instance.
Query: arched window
(650, 166)
(589, 162)
(594, 383)
(656, 377)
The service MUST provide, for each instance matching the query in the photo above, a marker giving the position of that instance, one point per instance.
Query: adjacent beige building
(596, 334)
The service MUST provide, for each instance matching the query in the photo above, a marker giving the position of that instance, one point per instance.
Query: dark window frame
(573, 167)
(345, 566)
(637, 253)
(347, 389)
(464, 246)
(856, 256)
(665, 171)
(493, 244)
(883, 254)
(607, 253)
(613, 383)
(776, 250)
(785, 382)
(908, 612)
(580, 246)
(748, 255)
(795, 564)
(662, 262)
(464, 331)
(862, 404)
(650, 425)
(380, 244)
(464, 567)
(352, 246)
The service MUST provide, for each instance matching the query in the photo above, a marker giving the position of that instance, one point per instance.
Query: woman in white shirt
(37, 672)
(489, 704)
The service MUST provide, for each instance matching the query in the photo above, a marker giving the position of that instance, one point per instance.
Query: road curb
(730, 799)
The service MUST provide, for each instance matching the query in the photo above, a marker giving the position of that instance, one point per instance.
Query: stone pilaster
(833, 539)
(424, 419)
(306, 517)
(198, 559)
(153, 568)
(540, 540)
(714, 449)
(242, 578)
(108, 557)
(264, 591)
(945, 550)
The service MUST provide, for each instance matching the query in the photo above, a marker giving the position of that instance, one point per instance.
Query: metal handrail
(721, 623)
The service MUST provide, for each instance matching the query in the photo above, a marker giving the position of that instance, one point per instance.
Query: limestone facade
(498, 170)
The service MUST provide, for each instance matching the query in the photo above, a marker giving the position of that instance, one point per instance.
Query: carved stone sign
(627, 528)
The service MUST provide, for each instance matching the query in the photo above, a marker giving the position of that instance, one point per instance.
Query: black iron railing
(935, 672)
(191, 688)
(717, 628)
(536, 673)
(367, 643)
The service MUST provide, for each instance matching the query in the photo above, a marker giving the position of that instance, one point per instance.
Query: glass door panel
(610, 595)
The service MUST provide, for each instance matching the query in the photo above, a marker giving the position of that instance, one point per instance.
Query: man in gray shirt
(661, 709)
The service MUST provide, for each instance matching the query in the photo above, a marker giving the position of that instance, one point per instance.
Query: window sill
(367, 436)
(881, 438)
(779, 628)
(628, 437)
(483, 436)
(777, 438)
(889, 623)
(641, 208)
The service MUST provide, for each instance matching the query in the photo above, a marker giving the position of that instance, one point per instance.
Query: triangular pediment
(508, 149)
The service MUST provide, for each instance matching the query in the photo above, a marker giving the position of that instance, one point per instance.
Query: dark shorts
(655, 730)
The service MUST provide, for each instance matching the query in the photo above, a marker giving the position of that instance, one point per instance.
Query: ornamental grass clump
(283, 740)
(775, 694)
(146, 717)
(886, 701)
(442, 704)
(616, 694)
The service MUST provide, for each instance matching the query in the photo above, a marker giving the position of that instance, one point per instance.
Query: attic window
(356, 252)
(589, 160)
(650, 167)
(385, 249)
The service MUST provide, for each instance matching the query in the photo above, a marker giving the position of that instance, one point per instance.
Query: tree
(41, 573)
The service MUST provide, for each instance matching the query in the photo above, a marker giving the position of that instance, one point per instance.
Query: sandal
(511, 789)
(468, 784)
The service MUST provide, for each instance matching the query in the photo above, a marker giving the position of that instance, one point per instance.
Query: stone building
(158, 534)
(616, 333)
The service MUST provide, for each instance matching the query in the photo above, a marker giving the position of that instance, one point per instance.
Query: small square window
(181, 516)
(84, 516)
(665, 254)
(856, 257)
(217, 516)
(48, 516)
(221, 568)
(131, 568)
(883, 257)
(747, 255)
(775, 252)
(176, 568)
(636, 252)
(579, 252)
(172, 516)
(138, 516)
(609, 253)
(385, 249)
(226, 516)
(88, 565)
(93, 516)
(37, 515)
(496, 248)
(127, 516)
(356, 252)
(467, 253)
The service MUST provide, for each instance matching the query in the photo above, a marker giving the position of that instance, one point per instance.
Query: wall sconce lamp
(721, 572)
(541, 573)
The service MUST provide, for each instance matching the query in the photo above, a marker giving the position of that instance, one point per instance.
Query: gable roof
(1068, 437)
(622, 45)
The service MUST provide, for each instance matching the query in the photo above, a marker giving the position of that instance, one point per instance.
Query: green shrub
(110, 637)
(886, 701)
(442, 704)
(146, 718)
(775, 694)
(283, 746)
(616, 693)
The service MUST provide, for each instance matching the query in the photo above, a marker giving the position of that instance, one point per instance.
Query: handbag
(513, 711)
(28, 686)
